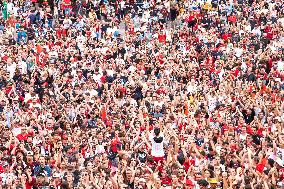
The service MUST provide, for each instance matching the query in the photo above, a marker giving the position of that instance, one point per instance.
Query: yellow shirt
(207, 6)
(181, 11)
(92, 15)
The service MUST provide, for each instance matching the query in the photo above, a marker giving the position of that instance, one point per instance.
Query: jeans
(49, 21)
(67, 11)
(98, 35)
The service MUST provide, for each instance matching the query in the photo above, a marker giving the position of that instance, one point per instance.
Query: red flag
(39, 49)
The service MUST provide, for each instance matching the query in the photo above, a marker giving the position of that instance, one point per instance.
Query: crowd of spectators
(141, 94)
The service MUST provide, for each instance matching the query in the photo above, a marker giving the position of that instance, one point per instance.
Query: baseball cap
(141, 180)
(213, 181)
(42, 174)
(56, 175)
(189, 183)
(30, 153)
(279, 161)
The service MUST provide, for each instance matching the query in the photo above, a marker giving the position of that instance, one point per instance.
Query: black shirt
(256, 139)
(248, 117)
(142, 156)
(251, 77)
(1, 108)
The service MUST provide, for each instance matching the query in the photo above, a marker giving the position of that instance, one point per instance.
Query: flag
(38, 49)
(4, 11)
(40, 56)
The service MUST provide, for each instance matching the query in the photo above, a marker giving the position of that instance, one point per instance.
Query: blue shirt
(38, 169)
(32, 18)
(22, 36)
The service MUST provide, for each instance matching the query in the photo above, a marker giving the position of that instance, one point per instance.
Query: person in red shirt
(66, 6)
(162, 37)
(268, 32)
(23, 135)
(191, 20)
(27, 179)
(232, 19)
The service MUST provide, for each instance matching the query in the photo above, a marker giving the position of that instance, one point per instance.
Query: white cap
(279, 161)
(56, 175)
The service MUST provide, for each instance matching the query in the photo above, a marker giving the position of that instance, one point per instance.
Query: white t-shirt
(280, 66)
(110, 72)
(256, 31)
(28, 96)
(11, 69)
(93, 92)
(122, 4)
(97, 77)
(191, 88)
(211, 102)
(10, 7)
(243, 136)
(15, 11)
(157, 103)
(280, 153)
(53, 54)
(99, 149)
(157, 148)
(16, 131)
(238, 52)
(81, 40)
(23, 66)
(67, 23)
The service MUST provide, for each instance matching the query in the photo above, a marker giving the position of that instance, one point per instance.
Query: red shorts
(65, 32)
(157, 159)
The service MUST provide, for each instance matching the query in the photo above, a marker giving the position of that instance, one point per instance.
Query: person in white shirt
(256, 31)
(10, 7)
(11, 67)
(280, 65)
(191, 88)
(238, 52)
(67, 23)
(97, 76)
(22, 65)
(157, 140)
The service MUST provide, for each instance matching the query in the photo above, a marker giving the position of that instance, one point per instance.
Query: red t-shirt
(189, 18)
(166, 180)
(160, 59)
(232, 19)
(29, 185)
(281, 174)
(22, 136)
(162, 38)
(269, 33)
(67, 4)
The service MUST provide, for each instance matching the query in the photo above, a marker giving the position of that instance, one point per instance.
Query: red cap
(189, 182)
(45, 84)
(260, 167)
(64, 137)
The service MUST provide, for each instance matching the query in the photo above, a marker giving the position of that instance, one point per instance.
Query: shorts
(191, 24)
(157, 159)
